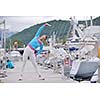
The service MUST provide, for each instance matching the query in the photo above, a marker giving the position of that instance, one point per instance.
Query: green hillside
(60, 27)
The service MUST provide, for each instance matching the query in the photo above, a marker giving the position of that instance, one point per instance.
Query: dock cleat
(41, 78)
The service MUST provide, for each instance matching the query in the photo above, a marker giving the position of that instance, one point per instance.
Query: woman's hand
(46, 24)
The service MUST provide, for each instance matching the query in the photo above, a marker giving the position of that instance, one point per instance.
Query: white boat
(84, 69)
(14, 56)
(87, 63)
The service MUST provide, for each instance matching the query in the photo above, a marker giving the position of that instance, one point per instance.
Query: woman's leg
(25, 57)
(33, 60)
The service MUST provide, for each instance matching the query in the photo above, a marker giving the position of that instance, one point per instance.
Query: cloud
(18, 23)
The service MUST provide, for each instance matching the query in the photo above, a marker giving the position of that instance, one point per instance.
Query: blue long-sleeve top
(35, 43)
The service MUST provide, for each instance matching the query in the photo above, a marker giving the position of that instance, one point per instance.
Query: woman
(30, 50)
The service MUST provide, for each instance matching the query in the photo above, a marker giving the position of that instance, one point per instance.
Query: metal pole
(86, 23)
(4, 35)
(91, 20)
(10, 44)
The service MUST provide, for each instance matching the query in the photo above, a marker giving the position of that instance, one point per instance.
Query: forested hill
(60, 27)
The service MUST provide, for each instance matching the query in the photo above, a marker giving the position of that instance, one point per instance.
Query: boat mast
(4, 35)
(91, 24)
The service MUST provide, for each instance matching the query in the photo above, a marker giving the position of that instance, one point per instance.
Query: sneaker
(21, 78)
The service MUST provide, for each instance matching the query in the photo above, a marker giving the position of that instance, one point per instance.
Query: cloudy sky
(18, 23)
